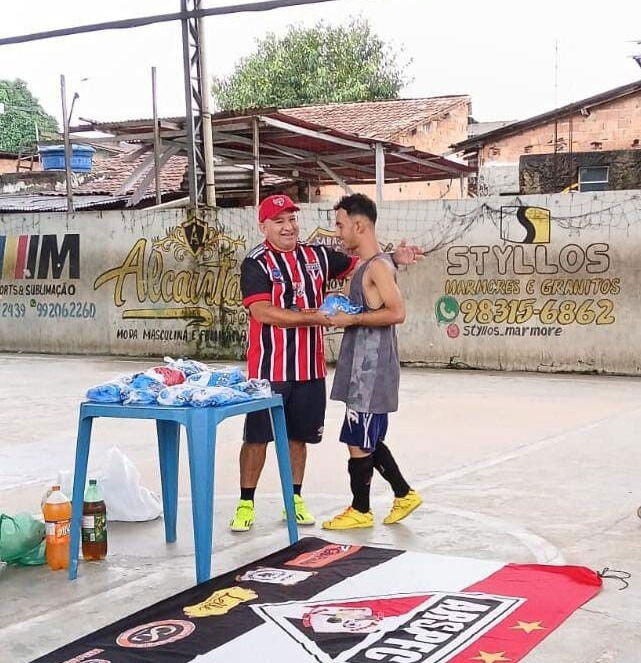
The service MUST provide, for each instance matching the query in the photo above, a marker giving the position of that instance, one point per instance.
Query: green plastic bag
(22, 540)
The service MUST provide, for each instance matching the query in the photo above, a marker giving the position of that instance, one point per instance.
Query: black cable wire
(613, 574)
(266, 5)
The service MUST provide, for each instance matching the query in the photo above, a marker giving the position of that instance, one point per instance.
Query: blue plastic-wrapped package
(212, 396)
(178, 395)
(220, 377)
(140, 396)
(112, 391)
(336, 303)
(255, 388)
(187, 366)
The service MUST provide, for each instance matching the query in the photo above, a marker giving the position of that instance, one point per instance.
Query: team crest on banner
(323, 556)
(275, 576)
(431, 628)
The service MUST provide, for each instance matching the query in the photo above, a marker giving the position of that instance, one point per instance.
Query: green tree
(322, 64)
(22, 112)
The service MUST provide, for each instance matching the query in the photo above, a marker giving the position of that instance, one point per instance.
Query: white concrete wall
(131, 284)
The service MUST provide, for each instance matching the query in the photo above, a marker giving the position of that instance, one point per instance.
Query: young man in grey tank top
(368, 369)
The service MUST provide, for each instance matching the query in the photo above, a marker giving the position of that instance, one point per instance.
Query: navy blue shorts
(363, 429)
(304, 405)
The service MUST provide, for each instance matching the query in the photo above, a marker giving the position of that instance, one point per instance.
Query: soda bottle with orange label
(57, 515)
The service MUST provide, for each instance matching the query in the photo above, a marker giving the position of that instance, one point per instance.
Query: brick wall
(434, 136)
(7, 165)
(612, 126)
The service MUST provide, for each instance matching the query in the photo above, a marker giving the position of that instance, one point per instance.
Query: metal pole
(189, 117)
(208, 140)
(156, 137)
(380, 172)
(256, 137)
(65, 129)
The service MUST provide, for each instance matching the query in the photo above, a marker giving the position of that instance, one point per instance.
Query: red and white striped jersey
(293, 280)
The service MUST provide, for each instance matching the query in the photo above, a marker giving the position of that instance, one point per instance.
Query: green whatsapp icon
(446, 309)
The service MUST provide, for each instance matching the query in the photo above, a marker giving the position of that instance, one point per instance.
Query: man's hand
(317, 318)
(407, 255)
(343, 320)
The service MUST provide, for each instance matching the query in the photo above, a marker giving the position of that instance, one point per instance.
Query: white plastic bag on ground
(125, 498)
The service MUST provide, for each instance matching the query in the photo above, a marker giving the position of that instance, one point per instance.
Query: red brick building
(591, 144)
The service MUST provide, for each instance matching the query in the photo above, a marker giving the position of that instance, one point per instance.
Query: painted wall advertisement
(536, 283)
(529, 283)
(141, 284)
(523, 286)
(133, 283)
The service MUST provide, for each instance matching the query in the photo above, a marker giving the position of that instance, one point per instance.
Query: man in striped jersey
(283, 282)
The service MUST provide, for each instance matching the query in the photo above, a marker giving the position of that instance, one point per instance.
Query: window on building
(593, 178)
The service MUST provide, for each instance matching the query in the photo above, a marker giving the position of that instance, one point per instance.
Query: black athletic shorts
(304, 404)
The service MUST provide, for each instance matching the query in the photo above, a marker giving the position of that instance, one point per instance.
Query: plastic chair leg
(168, 453)
(202, 446)
(79, 479)
(285, 469)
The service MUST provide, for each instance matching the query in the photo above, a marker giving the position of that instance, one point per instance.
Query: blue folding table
(200, 424)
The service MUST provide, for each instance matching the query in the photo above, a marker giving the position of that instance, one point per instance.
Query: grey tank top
(368, 368)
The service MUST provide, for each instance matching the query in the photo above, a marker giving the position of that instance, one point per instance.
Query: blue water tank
(53, 158)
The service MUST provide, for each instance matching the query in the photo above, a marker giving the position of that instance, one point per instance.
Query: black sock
(247, 493)
(360, 475)
(386, 466)
(297, 488)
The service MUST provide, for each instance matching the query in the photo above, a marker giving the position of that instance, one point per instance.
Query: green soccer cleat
(303, 516)
(244, 517)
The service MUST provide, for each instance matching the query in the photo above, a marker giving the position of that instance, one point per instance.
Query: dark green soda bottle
(94, 524)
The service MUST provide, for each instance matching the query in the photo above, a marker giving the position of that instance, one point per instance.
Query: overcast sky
(501, 52)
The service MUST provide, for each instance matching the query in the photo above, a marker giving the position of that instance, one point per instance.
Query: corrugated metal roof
(109, 175)
(35, 202)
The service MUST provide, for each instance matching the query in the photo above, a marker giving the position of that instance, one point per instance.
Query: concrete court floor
(514, 467)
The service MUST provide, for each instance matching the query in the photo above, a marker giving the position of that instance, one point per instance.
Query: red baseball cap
(273, 205)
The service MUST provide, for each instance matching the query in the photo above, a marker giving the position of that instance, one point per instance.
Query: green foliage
(317, 65)
(21, 112)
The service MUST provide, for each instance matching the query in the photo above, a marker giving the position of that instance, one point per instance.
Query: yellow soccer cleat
(303, 516)
(244, 517)
(350, 519)
(403, 506)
